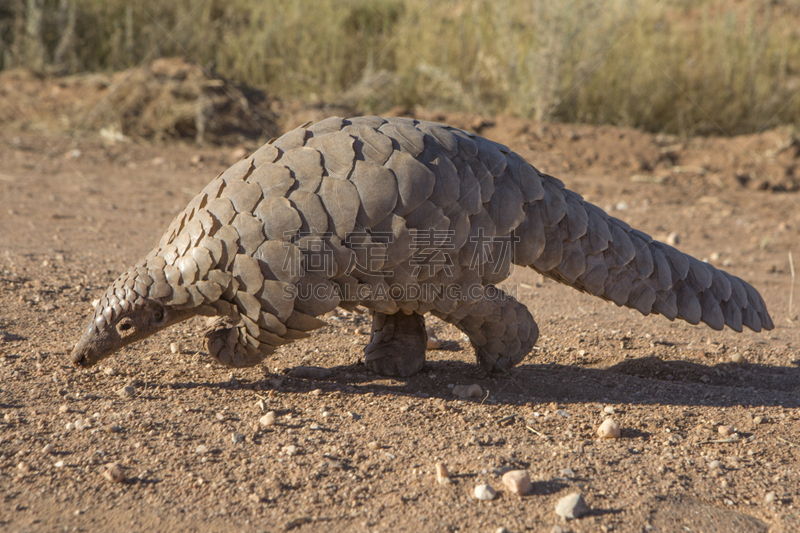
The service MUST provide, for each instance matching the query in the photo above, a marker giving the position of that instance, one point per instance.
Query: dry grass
(709, 66)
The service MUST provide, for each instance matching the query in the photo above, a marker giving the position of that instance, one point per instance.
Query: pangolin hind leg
(397, 345)
(501, 330)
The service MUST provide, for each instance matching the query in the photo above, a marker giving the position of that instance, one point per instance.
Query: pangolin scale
(403, 217)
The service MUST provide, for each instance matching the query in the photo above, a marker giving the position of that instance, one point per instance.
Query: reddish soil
(77, 210)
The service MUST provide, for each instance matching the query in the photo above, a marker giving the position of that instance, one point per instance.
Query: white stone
(572, 506)
(485, 492)
(268, 419)
(609, 429)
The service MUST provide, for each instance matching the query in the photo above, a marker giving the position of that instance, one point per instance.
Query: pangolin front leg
(397, 345)
(501, 330)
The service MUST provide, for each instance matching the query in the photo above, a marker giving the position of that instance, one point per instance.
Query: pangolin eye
(158, 315)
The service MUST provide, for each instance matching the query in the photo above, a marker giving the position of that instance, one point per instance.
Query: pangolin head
(121, 317)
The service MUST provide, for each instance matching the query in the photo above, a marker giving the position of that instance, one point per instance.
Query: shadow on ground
(643, 381)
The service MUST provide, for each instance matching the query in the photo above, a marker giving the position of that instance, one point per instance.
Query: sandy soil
(356, 452)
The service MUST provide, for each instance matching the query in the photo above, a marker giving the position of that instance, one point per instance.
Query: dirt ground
(356, 452)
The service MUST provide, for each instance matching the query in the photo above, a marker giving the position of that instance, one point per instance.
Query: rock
(714, 465)
(608, 410)
(609, 429)
(23, 467)
(291, 450)
(201, 449)
(736, 357)
(108, 371)
(567, 472)
(468, 391)
(63, 408)
(115, 473)
(127, 391)
(261, 405)
(237, 438)
(726, 431)
(673, 239)
(770, 497)
(758, 420)
(49, 448)
(374, 445)
(485, 492)
(572, 506)
(442, 475)
(268, 419)
(518, 482)
(315, 426)
(434, 343)
(175, 347)
(310, 372)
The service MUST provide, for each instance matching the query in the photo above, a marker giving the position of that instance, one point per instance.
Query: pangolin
(403, 217)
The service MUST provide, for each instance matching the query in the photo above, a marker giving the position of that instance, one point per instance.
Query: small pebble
(485, 492)
(567, 472)
(261, 405)
(571, 506)
(127, 391)
(314, 426)
(557, 529)
(468, 391)
(442, 475)
(115, 473)
(502, 530)
(268, 419)
(108, 371)
(736, 357)
(518, 482)
(726, 431)
(374, 445)
(236, 438)
(310, 372)
(49, 448)
(175, 347)
(290, 450)
(714, 465)
(64, 408)
(316, 392)
(673, 239)
(59, 464)
(758, 420)
(608, 410)
(771, 497)
(609, 429)
(434, 343)
(201, 449)
(23, 467)
(362, 331)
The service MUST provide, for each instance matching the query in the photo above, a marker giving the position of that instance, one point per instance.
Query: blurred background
(683, 67)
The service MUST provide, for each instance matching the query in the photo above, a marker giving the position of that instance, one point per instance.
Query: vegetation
(706, 66)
